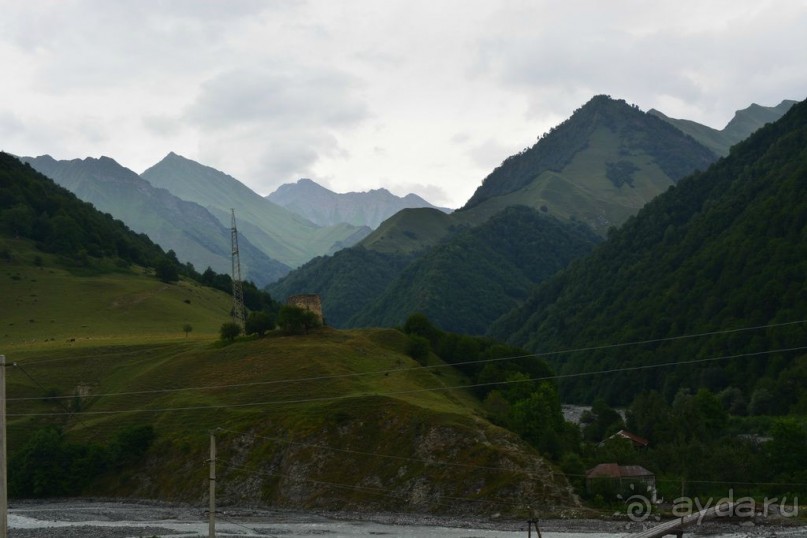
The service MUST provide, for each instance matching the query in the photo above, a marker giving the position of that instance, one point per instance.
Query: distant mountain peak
(742, 124)
(326, 208)
(625, 138)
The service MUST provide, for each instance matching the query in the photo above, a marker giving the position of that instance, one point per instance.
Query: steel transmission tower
(239, 313)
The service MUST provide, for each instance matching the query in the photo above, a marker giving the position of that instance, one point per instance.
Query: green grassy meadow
(97, 352)
(52, 304)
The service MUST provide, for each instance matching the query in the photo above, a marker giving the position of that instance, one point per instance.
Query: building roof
(614, 470)
(632, 437)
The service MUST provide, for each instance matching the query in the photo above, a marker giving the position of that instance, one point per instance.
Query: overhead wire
(432, 367)
(396, 393)
(417, 391)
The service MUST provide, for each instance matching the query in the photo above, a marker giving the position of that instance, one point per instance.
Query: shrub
(230, 330)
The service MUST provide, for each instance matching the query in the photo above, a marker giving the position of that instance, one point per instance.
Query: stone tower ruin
(308, 301)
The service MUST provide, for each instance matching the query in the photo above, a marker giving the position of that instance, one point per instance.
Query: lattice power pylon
(239, 313)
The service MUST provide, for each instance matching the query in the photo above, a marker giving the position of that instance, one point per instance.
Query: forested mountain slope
(34, 207)
(726, 249)
(472, 278)
(179, 225)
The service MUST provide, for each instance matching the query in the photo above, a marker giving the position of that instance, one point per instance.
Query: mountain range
(182, 226)
(186, 207)
(744, 122)
(595, 170)
(327, 208)
(722, 251)
(287, 236)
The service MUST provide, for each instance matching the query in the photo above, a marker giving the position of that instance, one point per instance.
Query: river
(108, 519)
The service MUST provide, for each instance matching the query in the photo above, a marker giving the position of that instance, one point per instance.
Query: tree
(296, 320)
(601, 422)
(651, 417)
(131, 443)
(258, 323)
(420, 325)
(786, 449)
(538, 419)
(229, 331)
(167, 271)
(187, 328)
(418, 348)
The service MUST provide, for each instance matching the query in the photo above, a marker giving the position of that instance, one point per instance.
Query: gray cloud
(287, 119)
(281, 99)
(10, 124)
(272, 90)
(651, 60)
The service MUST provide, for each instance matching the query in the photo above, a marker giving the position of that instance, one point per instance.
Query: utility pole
(239, 313)
(3, 466)
(533, 521)
(212, 531)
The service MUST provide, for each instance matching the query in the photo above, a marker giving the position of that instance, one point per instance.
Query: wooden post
(530, 523)
(3, 446)
(212, 531)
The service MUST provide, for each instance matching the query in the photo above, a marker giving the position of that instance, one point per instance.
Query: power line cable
(417, 368)
(416, 391)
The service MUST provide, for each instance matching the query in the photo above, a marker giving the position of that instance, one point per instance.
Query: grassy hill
(49, 302)
(334, 420)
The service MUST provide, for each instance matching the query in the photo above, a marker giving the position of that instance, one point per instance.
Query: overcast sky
(415, 96)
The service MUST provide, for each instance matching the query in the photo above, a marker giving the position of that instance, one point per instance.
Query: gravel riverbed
(130, 519)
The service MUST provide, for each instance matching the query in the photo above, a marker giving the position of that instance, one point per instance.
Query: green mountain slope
(600, 166)
(352, 278)
(743, 123)
(278, 232)
(184, 227)
(34, 209)
(54, 305)
(410, 231)
(725, 249)
(474, 277)
(346, 282)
